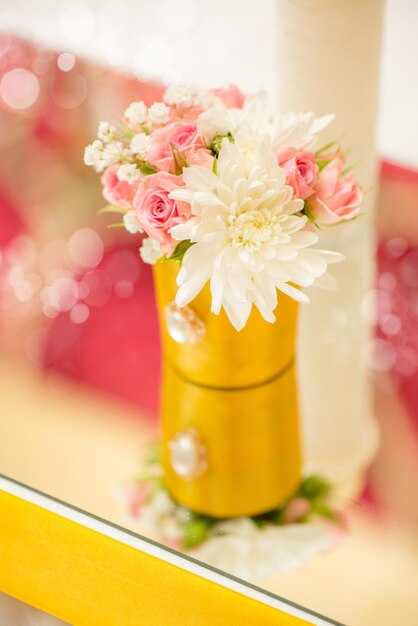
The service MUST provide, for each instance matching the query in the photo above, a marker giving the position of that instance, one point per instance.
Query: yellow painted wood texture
(89, 579)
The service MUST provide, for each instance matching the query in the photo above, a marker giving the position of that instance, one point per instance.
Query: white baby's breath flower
(171, 529)
(106, 132)
(158, 113)
(206, 99)
(92, 155)
(148, 517)
(249, 237)
(141, 145)
(150, 251)
(112, 153)
(179, 95)
(99, 155)
(162, 503)
(128, 172)
(136, 113)
(131, 223)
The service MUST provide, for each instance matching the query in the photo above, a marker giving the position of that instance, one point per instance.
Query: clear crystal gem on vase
(183, 325)
(188, 454)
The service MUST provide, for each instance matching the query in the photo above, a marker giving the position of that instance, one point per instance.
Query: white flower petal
(193, 276)
(238, 312)
(331, 257)
(198, 178)
(294, 293)
(183, 231)
(304, 238)
(321, 122)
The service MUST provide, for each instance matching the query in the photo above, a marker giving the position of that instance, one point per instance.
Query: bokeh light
(80, 313)
(85, 248)
(19, 88)
(66, 61)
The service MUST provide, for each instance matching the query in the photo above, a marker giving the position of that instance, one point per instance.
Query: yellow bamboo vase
(229, 407)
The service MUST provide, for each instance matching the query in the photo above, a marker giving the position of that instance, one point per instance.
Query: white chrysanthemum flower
(158, 113)
(106, 132)
(291, 130)
(150, 251)
(131, 223)
(128, 172)
(179, 94)
(141, 145)
(254, 119)
(215, 121)
(136, 113)
(249, 238)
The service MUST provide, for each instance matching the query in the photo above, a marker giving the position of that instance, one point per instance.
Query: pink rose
(199, 156)
(336, 199)
(172, 543)
(295, 510)
(300, 169)
(117, 191)
(156, 211)
(185, 114)
(180, 135)
(232, 97)
(136, 496)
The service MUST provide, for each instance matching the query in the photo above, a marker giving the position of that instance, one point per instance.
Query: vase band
(267, 381)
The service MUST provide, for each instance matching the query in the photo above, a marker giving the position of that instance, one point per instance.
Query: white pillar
(329, 53)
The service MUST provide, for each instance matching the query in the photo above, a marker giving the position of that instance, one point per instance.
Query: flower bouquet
(231, 200)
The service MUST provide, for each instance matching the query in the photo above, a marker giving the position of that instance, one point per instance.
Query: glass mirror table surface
(78, 447)
(79, 350)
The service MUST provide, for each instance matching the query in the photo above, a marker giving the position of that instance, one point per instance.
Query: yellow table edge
(88, 572)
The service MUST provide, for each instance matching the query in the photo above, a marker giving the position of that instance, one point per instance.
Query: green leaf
(216, 143)
(274, 516)
(320, 508)
(215, 166)
(180, 251)
(197, 530)
(153, 452)
(179, 161)
(177, 167)
(313, 487)
(322, 164)
(111, 208)
(118, 225)
(147, 168)
(183, 162)
(327, 147)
